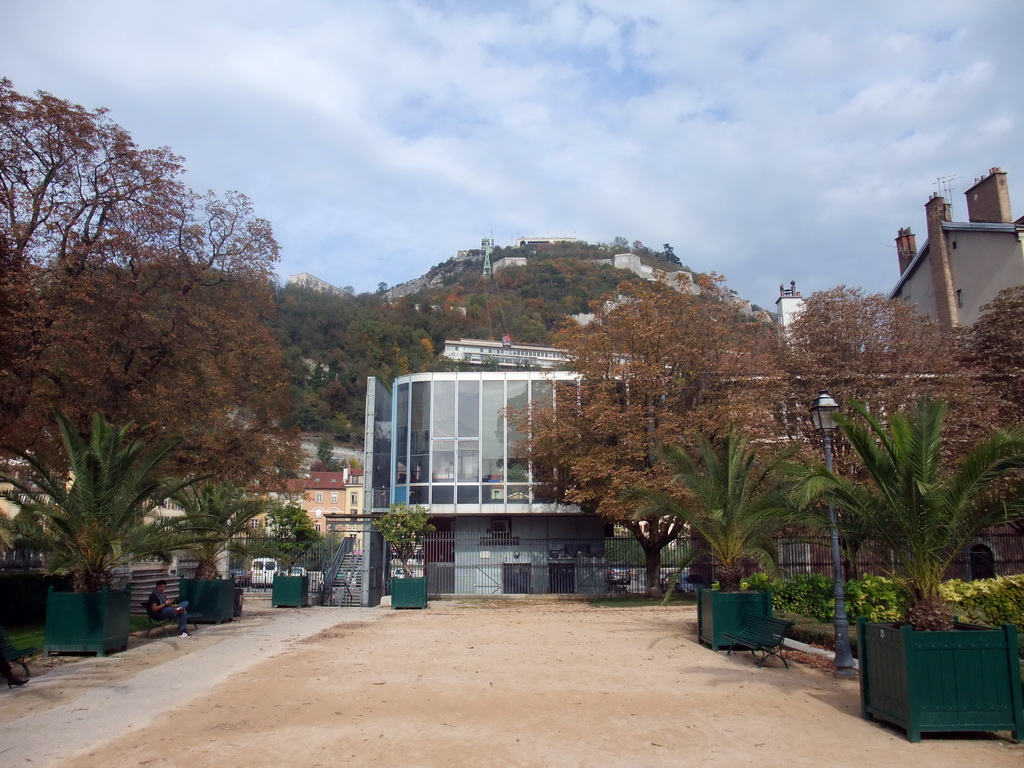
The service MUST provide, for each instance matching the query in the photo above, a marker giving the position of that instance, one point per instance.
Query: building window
(319, 513)
(319, 498)
(959, 298)
(355, 498)
(334, 498)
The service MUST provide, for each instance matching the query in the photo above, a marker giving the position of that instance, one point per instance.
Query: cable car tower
(487, 245)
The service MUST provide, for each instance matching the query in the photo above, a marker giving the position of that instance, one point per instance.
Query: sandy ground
(481, 683)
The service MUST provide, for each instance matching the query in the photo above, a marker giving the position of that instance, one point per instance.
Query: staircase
(348, 583)
(144, 579)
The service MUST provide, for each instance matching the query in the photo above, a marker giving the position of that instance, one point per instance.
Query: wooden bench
(761, 634)
(15, 655)
(161, 622)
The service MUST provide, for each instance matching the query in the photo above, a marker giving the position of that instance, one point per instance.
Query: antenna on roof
(945, 186)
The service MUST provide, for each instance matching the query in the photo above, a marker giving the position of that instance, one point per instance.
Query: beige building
(332, 496)
(962, 265)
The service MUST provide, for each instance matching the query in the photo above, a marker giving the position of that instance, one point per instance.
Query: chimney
(937, 211)
(906, 248)
(989, 199)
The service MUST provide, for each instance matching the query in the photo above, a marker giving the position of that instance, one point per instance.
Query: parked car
(262, 571)
(240, 575)
(296, 570)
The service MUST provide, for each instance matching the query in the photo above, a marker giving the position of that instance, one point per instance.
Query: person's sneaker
(184, 634)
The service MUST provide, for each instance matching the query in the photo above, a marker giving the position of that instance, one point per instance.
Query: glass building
(443, 440)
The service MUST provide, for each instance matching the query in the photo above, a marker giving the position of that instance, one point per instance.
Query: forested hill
(334, 342)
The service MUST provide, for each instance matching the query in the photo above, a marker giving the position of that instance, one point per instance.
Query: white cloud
(768, 142)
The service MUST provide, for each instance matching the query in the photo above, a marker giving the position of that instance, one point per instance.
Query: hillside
(334, 343)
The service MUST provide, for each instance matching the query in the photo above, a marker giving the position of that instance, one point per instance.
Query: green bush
(23, 596)
(811, 594)
(876, 598)
(992, 602)
(808, 594)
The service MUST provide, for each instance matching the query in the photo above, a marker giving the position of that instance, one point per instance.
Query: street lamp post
(821, 414)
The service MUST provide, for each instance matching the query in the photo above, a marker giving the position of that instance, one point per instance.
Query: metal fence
(457, 563)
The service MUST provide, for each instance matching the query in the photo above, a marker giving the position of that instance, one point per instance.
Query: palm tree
(92, 518)
(924, 513)
(730, 498)
(6, 534)
(216, 514)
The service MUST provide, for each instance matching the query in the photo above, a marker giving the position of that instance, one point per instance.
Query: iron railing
(470, 564)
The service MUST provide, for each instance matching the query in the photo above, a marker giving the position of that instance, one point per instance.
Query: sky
(765, 141)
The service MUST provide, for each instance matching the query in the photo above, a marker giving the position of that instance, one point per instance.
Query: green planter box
(721, 612)
(214, 599)
(966, 679)
(409, 592)
(290, 592)
(92, 622)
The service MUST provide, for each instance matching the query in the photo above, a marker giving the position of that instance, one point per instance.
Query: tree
(994, 347)
(731, 498)
(95, 516)
(325, 453)
(669, 255)
(880, 353)
(293, 533)
(657, 367)
(216, 516)
(403, 527)
(126, 293)
(923, 511)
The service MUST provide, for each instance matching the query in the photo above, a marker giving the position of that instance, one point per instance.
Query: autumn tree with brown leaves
(881, 353)
(655, 366)
(994, 348)
(124, 292)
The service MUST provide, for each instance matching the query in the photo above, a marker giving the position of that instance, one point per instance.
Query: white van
(262, 570)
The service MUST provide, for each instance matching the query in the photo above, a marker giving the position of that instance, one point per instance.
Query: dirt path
(522, 683)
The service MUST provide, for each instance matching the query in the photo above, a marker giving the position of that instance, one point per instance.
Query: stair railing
(331, 571)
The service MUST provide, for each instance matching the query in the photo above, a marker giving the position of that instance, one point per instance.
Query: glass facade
(455, 450)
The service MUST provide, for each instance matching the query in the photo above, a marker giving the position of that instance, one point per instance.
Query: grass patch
(30, 635)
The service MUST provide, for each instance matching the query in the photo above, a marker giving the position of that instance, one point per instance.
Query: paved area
(76, 706)
(505, 683)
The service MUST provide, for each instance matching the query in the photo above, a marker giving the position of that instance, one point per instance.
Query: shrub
(811, 594)
(808, 594)
(876, 598)
(992, 602)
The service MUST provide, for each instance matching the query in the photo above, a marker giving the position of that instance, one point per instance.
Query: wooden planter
(721, 612)
(214, 599)
(290, 592)
(89, 622)
(965, 679)
(409, 592)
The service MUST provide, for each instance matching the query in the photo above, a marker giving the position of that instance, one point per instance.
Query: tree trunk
(930, 614)
(652, 565)
(729, 577)
(207, 572)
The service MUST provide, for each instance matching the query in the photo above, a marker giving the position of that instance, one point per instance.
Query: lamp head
(822, 410)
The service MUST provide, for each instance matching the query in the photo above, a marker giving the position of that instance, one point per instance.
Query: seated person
(161, 607)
